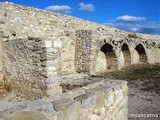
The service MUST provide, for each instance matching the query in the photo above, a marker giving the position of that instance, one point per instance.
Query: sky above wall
(130, 15)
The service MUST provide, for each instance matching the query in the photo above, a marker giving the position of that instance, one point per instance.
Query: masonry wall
(96, 104)
(154, 55)
(30, 67)
(78, 42)
(0, 55)
(68, 56)
(104, 100)
(1, 68)
(83, 51)
(23, 22)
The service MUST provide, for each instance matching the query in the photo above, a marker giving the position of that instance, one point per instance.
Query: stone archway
(141, 52)
(126, 55)
(111, 57)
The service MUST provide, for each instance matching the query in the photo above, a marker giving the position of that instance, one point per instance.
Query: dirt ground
(144, 89)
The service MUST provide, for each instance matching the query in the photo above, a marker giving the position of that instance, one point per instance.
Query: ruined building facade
(38, 48)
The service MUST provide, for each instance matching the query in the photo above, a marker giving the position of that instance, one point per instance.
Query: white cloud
(109, 24)
(127, 18)
(86, 7)
(147, 27)
(64, 9)
(134, 29)
(135, 24)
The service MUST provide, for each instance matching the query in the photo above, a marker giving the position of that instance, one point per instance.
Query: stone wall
(154, 55)
(1, 68)
(103, 100)
(83, 50)
(0, 55)
(31, 67)
(68, 56)
(81, 40)
(72, 45)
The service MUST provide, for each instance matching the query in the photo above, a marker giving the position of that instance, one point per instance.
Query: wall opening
(126, 54)
(142, 53)
(111, 57)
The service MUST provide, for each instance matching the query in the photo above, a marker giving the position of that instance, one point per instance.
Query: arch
(126, 54)
(111, 57)
(142, 53)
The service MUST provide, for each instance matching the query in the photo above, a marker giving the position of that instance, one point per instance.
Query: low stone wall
(1, 70)
(103, 100)
(30, 66)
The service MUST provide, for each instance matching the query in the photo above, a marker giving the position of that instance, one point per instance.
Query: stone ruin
(49, 58)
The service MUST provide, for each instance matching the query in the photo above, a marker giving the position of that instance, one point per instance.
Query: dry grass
(146, 73)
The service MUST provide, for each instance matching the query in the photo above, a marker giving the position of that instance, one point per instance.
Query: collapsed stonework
(38, 49)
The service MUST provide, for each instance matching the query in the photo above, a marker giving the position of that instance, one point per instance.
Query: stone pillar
(119, 58)
(101, 63)
(83, 51)
(53, 66)
(134, 56)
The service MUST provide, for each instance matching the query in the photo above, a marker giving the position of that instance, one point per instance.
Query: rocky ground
(144, 89)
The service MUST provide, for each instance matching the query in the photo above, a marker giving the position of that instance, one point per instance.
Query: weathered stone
(88, 102)
(99, 101)
(110, 98)
(37, 103)
(47, 44)
(31, 65)
(73, 112)
(52, 68)
(57, 44)
(28, 115)
(62, 104)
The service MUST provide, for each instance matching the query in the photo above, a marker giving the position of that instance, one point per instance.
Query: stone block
(47, 44)
(52, 74)
(99, 101)
(73, 111)
(27, 115)
(51, 50)
(42, 105)
(67, 67)
(57, 44)
(110, 99)
(51, 68)
(86, 103)
(37, 103)
(118, 95)
(14, 109)
(52, 86)
(1, 76)
(52, 80)
(62, 104)
(53, 91)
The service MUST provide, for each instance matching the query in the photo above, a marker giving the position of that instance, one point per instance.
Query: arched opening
(111, 57)
(126, 54)
(142, 53)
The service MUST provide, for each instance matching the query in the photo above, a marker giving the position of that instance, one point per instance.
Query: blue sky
(130, 15)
